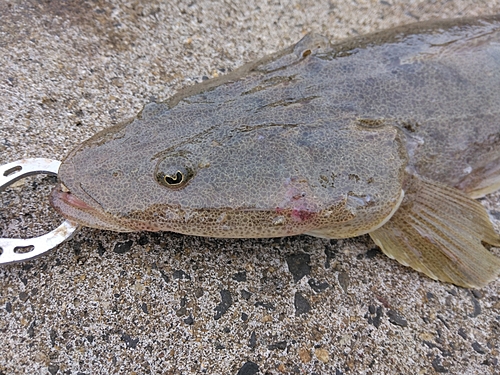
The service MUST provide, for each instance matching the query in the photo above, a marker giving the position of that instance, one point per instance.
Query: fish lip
(75, 209)
(64, 194)
(61, 197)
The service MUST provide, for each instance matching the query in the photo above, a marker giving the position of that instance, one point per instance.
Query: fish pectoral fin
(440, 231)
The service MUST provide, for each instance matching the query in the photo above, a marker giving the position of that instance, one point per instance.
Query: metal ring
(14, 250)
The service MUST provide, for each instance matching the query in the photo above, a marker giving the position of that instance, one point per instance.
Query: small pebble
(478, 348)
(302, 305)
(224, 305)
(123, 247)
(240, 276)
(252, 342)
(249, 368)
(396, 319)
(281, 345)
(305, 355)
(322, 355)
(298, 265)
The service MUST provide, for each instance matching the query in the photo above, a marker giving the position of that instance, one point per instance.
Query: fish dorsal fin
(440, 231)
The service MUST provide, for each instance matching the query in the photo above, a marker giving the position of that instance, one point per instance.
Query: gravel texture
(163, 303)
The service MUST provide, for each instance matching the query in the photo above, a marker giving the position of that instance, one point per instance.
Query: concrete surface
(107, 303)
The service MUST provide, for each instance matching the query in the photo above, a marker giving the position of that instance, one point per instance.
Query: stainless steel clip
(13, 250)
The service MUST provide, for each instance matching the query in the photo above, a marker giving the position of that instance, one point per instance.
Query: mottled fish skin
(320, 138)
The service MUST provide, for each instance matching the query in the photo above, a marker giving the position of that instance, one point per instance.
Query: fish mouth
(77, 210)
(64, 194)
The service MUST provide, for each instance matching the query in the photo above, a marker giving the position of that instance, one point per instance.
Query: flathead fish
(392, 134)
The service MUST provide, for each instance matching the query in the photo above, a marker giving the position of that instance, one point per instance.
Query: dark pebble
(477, 293)
(26, 267)
(281, 345)
(330, 253)
(318, 287)
(298, 265)
(267, 305)
(53, 369)
(244, 317)
(77, 247)
(53, 336)
(240, 276)
(462, 333)
(249, 368)
(100, 249)
(131, 343)
(23, 296)
(343, 278)
(431, 345)
(444, 321)
(123, 247)
(252, 342)
(371, 309)
(377, 319)
(31, 329)
(491, 362)
(143, 240)
(189, 320)
(144, 308)
(372, 253)
(302, 305)
(180, 275)
(90, 338)
(181, 312)
(245, 294)
(477, 308)
(219, 347)
(478, 348)
(8, 307)
(396, 319)
(164, 276)
(453, 292)
(225, 304)
(438, 367)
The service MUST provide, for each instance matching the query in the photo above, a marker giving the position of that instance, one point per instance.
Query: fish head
(192, 171)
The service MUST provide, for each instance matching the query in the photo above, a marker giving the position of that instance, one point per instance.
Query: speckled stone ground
(107, 303)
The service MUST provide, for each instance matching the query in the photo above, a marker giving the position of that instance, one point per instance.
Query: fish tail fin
(440, 231)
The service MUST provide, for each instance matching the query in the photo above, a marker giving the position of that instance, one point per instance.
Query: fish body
(393, 134)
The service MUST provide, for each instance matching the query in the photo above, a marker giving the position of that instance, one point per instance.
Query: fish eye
(177, 180)
(172, 174)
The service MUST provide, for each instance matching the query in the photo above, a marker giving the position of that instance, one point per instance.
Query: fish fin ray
(440, 231)
(482, 181)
